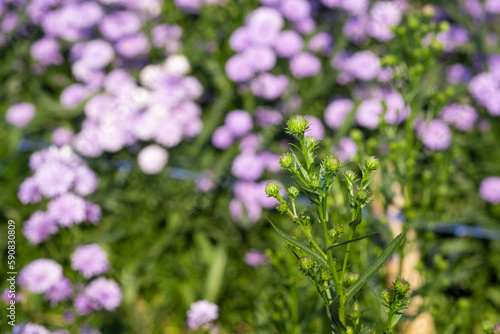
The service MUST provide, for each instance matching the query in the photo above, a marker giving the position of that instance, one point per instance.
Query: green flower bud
(297, 125)
(272, 189)
(444, 26)
(356, 134)
(362, 196)
(306, 265)
(386, 296)
(389, 60)
(325, 276)
(437, 46)
(311, 142)
(336, 232)
(402, 287)
(372, 164)
(354, 314)
(350, 175)
(351, 279)
(413, 22)
(282, 208)
(332, 165)
(293, 192)
(314, 183)
(286, 160)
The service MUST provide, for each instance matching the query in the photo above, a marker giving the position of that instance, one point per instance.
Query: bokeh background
(136, 139)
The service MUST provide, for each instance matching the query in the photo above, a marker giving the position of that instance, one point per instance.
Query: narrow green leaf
(321, 260)
(334, 313)
(216, 272)
(352, 240)
(353, 289)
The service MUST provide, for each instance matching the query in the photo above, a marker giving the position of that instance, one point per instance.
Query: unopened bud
(402, 286)
(315, 183)
(444, 26)
(351, 279)
(356, 134)
(282, 208)
(286, 160)
(272, 189)
(293, 192)
(306, 265)
(332, 165)
(429, 11)
(372, 164)
(297, 125)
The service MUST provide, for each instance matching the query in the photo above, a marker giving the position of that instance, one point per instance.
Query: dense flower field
(149, 173)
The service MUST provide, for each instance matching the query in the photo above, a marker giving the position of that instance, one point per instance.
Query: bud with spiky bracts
(286, 160)
(297, 125)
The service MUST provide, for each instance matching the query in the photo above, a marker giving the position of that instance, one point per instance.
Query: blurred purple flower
(20, 114)
(28, 191)
(133, 45)
(62, 136)
(120, 24)
(59, 292)
(462, 117)
(383, 15)
(347, 149)
(67, 209)
(239, 122)
(54, 178)
(152, 159)
(266, 117)
(247, 166)
(458, 73)
(316, 128)
(304, 65)
(40, 275)
(368, 113)
(264, 25)
(92, 212)
(240, 39)
(222, 138)
(355, 28)
(355, 7)
(90, 260)
(492, 6)
(72, 95)
(288, 43)
(255, 258)
(268, 86)
(46, 51)
(453, 38)
(239, 68)
(201, 313)
(436, 135)
(337, 111)
(364, 65)
(321, 42)
(489, 189)
(39, 227)
(295, 10)
(105, 292)
(97, 54)
(260, 58)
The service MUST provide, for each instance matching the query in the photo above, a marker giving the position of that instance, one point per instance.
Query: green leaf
(321, 260)
(355, 222)
(216, 272)
(353, 289)
(352, 240)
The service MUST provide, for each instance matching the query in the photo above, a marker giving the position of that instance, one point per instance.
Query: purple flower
(288, 43)
(306, 26)
(133, 45)
(304, 65)
(321, 42)
(458, 73)
(30, 328)
(54, 178)
(355, 7)
(240, 39)
(222, 137)
(316, 128)
(453, 38)
(295, 10)
(188, 6)
(39, 227)
(347, 149)
(152, 159)
(239, 122)
(264, 25)
(461, 116)
(266, 117)
(490, 189)
(268, 86)
(120, 24)
(364, 65)
(383, 15)
(355, 28)
(40, 275)
(368, 113)
(250, 143)
(46, 51)
(97, 54)
(261, 58)
(92, 212)
(72, 95)
(255, 258)
(239, 68)
(28, 191)
(396, 111)
(67, 209)
(105, 292)
(84, 305)
(492, 6)
(62, 136)
(201, 313)
(337, 111)
(86, 181)
(90, 260)
(59, 292)
(205, 182)
(436, 135)
(247, 166)
(117, 80)
(20, 114)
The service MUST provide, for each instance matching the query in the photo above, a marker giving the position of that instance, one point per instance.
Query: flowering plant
(338, 289)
